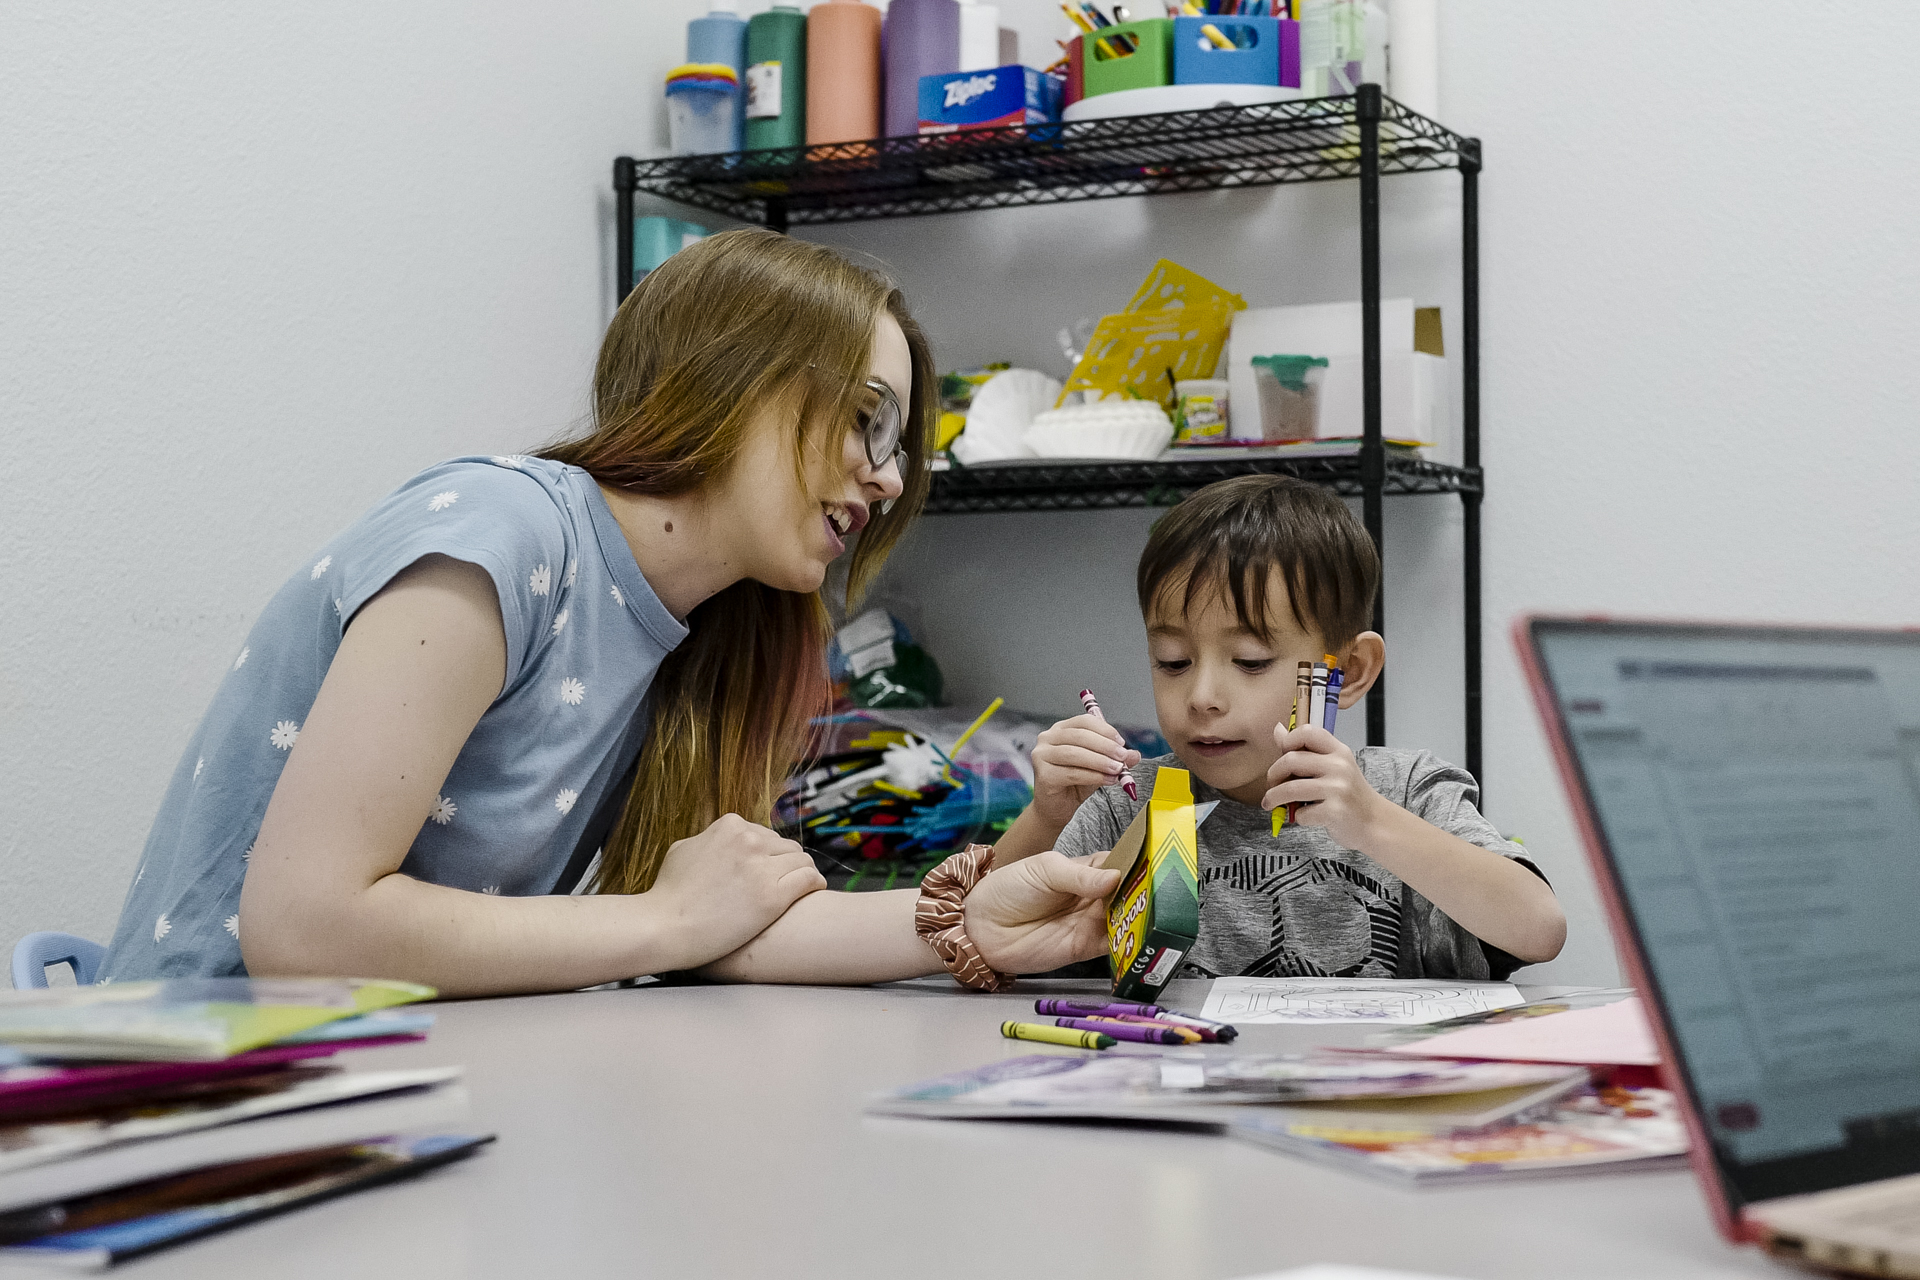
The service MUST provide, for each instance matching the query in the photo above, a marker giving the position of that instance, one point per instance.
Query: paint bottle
(843, 72)
(979, 36)
(719, 37)
(920, 38)
(777, 78)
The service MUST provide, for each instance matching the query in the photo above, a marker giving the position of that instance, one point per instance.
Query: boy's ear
(1361, 663)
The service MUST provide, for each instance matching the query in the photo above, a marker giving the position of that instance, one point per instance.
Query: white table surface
(717, 1131)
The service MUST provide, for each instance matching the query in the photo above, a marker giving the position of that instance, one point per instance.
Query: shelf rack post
(1470, 496)
(1373, 451)
(624, 182)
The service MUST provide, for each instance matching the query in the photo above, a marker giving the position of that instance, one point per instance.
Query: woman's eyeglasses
(881, 424)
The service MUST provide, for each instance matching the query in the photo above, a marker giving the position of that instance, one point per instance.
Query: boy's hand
(1318, 771)
(1073, 760)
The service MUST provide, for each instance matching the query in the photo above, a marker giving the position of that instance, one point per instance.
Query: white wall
(260, 265)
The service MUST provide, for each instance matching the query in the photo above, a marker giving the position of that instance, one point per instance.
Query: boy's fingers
(1108, 743)
(1078, 758)
(1298, 791)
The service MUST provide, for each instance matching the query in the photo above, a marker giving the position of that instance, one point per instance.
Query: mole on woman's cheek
(669, 526)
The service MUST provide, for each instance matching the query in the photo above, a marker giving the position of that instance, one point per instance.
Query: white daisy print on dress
(514, 460)
(284, 734)
(162, 927)
(572, 691)
(565, 800)
(198, 765)
(443, 810)
(540, 581)
(560, 623)
(337, 606)
(442, 500)
(617, 598)
(241, 661)
(232, 925)
(246, 855)
(573, 571)
(493, 889)
(140, 874)
(320, 570)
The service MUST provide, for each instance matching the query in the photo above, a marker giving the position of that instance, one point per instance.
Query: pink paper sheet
(1615, 1034)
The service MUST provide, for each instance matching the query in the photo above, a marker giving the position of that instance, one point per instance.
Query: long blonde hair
(721, 330)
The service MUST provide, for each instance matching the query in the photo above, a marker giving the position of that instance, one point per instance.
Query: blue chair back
(33, 953)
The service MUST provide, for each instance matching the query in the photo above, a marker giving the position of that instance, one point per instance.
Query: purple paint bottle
(919, 38)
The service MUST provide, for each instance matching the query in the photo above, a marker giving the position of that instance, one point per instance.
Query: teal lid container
(776, 78)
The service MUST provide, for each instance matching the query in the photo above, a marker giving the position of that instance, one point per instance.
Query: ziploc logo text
(961, 92)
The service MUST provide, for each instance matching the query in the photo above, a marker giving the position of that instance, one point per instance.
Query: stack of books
(139, 1115)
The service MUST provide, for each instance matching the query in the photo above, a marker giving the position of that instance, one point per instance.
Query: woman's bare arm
(419, 665)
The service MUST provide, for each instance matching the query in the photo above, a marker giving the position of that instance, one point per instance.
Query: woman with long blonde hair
(615, 648)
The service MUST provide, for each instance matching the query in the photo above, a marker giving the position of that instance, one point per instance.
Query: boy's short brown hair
(1230, 536)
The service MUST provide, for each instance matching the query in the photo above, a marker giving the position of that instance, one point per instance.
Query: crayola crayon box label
(987, 99)
(1153, 918)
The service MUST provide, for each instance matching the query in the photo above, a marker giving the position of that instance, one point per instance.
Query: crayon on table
(1093, 709)
(1075, 1039)
(1184, 1035)
(1123, 1030)
(1082, 1008)
(1223, 1031)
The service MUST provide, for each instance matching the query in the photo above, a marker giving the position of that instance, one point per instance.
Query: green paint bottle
(777, 78)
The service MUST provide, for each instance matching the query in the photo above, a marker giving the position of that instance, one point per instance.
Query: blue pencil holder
(1254, 59)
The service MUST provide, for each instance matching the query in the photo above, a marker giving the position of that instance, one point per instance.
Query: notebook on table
(1750, 799)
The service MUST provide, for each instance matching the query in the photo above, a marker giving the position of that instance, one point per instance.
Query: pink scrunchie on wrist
(940, 918)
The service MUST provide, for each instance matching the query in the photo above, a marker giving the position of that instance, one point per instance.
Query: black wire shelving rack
(1359, 137)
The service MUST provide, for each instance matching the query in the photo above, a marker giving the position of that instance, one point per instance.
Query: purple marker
(1101, 1008)
(1124, 1030)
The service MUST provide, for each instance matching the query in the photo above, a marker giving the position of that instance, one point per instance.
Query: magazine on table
(1606, 1127)
(97, 1231)
(1192, 1085)
(185, 1019)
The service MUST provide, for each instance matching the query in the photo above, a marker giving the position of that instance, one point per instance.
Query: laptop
(1750, 799)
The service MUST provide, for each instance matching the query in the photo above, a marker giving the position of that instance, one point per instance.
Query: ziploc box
(1153, 918)
(988, 99)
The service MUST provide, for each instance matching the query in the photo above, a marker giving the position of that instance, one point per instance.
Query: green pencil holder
(1149, 66)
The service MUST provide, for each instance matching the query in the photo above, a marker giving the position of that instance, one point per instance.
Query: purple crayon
(1124, 1030)
(1222, 1031)
(1334, 680)
(1096, 1008)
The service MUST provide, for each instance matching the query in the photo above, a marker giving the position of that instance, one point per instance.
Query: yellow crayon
(1216, 35)
(1056, 1035)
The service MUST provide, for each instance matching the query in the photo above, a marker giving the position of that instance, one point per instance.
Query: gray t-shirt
(585, 635)
(1300, 905)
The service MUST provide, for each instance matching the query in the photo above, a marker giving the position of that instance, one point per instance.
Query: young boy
(1389, 870)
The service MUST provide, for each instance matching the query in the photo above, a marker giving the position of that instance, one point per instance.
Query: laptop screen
(1758, 791)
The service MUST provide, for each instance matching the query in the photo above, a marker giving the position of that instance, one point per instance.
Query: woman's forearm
(465, 944)
(829, 937)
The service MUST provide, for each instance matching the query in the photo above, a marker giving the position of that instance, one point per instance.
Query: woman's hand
(1071, 761)
(723, 887)
(1040, 913)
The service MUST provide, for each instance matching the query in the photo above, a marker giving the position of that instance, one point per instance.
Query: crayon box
(1153, 918)
(988, 99)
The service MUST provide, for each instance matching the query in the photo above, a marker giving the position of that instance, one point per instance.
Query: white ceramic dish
(1136, 429)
